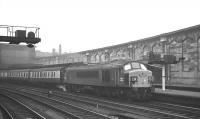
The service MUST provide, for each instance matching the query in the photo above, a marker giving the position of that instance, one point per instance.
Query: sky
(80, 25)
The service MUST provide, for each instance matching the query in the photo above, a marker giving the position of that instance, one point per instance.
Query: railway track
(4, 113)
(68, 109)
(153, 111)
(18, 110)
(133, 110)
(147, 110)
(186, 111)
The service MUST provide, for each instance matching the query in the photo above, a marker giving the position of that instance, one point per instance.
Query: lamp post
(87, 56)
(130, 47)
(107, 57)
(163, 41)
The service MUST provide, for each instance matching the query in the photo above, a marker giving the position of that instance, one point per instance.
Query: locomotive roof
(108, 65)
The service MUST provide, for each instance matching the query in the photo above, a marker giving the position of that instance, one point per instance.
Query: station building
(184, 43)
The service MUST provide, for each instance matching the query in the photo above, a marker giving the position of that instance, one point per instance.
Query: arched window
(97, 59)
(93, 58)
(189, 52)
(103, 58)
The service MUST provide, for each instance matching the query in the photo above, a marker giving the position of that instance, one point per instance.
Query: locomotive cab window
(127, 67)
(143, 67)
(135, 65)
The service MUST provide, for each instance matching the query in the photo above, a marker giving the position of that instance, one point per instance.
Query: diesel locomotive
(116, 78)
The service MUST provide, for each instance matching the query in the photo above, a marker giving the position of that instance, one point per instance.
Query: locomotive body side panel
(97, 77)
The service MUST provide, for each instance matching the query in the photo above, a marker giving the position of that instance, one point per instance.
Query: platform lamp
(130, 47)
(87, 56)
(107, 57)
(164, 43)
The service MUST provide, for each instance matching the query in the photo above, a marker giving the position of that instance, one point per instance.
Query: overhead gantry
(19, 34)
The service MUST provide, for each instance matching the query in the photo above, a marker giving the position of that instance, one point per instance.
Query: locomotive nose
(142, 75)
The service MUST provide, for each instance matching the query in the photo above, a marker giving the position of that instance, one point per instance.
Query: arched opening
(97, 58)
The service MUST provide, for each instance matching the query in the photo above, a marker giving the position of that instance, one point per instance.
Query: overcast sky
(80, 25)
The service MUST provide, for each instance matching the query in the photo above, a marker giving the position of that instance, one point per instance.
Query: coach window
(44, 74)
(40, 74)
(48, 73)
(51, 74)
(54, 74)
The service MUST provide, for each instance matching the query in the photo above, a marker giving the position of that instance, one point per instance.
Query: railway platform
(173, 92)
